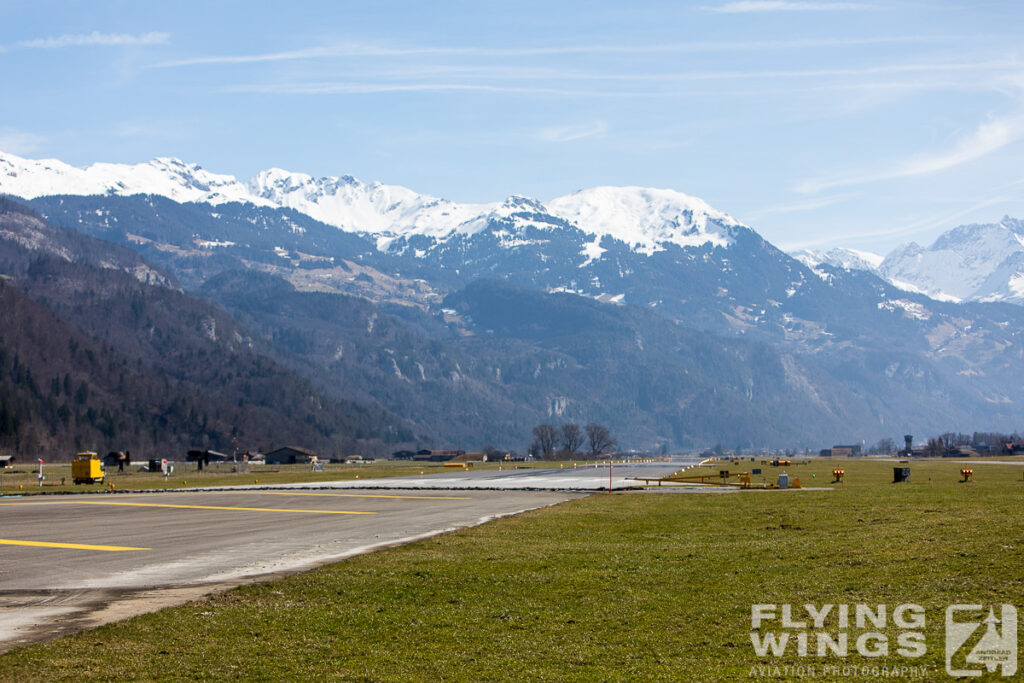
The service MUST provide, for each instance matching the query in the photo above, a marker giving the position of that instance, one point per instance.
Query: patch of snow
(1016, 285)
(910, 309)
(210, 244)
(938, 296)
(593, 251)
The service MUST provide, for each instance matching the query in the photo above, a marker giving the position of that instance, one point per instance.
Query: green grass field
(621, 586)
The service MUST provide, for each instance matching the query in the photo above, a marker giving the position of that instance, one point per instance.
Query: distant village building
(437, 456)
(291, 455)
(841, 451)
(205, 456)
(403, 455)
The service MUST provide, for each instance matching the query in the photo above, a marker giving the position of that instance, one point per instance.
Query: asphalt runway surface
(78, 561)
(583, 477)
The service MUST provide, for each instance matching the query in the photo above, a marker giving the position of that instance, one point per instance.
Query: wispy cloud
(96, 39)
(18, 141)
(990, 136)
(923, 225)
(747, 6)
(355, 88)
(344, 50)
(574, 132)
(807, 205)
(517, 79)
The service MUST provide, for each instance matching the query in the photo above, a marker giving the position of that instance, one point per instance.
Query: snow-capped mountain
(981, 262)
(848, 259)
(166, 177)
(969, 263)
(354, 206)
(646, 219)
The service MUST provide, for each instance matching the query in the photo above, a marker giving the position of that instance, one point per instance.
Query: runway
(584, 477)
(73, 562)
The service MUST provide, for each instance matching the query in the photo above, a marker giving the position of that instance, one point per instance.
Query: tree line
(947, 442)
(568, 441)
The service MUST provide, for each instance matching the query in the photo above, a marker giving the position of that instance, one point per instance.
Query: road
(73, 562)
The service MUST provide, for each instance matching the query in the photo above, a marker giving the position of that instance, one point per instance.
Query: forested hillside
(92, 355)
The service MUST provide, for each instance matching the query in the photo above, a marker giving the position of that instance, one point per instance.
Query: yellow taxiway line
(187, 507)
(73, 546)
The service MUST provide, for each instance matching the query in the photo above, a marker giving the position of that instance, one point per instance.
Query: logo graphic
(976, 642)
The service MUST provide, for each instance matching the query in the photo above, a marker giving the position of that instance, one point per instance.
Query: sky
(817, 123)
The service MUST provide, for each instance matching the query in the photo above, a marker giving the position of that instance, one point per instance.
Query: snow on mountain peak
(165, 176)
(518, 202)
(962, 262)
(351, 205)
(848, 259)
(645, 218)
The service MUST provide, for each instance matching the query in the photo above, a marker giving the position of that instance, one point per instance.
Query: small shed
(206, 456)
(6, 460)
(291, 455)
(437, 456)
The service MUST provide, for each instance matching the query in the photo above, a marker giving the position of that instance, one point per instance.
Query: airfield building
(291, 455)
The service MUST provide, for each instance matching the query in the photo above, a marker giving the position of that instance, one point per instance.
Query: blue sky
(820, 124)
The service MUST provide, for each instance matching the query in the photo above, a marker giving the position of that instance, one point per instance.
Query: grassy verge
(610, 587)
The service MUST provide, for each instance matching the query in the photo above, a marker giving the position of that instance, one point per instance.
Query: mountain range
(980, 262)
(646, 309)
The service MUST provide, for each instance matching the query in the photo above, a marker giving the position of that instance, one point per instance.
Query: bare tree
(949, 441)
(884, 446)
(935, 448)
(545, 437)
(600, 439)
(572, 437)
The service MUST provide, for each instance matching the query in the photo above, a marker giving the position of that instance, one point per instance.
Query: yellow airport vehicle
(86, 468)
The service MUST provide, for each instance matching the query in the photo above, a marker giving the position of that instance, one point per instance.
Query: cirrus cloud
(96, 39)
(747, 6)
(990, 136)
(573, 132)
